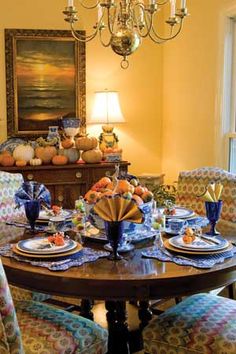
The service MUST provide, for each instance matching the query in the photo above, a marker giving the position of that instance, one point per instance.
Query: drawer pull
(108, 174)
(60, 198)
(78, 175)
(30, 176)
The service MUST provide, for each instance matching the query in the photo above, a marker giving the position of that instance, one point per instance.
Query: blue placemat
(61, 263)
(198, 261)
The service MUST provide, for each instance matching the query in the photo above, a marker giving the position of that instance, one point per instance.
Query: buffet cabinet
(66, 183)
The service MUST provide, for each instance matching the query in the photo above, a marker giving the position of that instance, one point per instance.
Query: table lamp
(107, 110)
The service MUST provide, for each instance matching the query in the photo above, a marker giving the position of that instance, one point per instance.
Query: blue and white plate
(11, 144)
(41, 245)
(170, 232)
(199, 244)
(180, 212)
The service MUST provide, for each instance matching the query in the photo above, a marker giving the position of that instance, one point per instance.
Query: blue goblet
(114, 231)
(32, 208)
(213, 210)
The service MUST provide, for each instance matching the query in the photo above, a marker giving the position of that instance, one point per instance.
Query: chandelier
(127, 22)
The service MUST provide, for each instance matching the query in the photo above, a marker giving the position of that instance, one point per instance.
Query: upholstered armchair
(192, 184)
(202, 323)
(33, 327)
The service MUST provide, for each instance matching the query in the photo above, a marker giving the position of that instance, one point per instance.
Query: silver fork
(161, 246)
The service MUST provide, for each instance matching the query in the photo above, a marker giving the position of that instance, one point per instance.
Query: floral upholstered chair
(192, 184)
(201, 324)
(33, 327)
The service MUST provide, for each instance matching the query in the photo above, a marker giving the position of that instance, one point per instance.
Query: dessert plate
(169, 247)
(180, 212)
(41, 245)
(45, 216)
(54, 255)
(199, 244)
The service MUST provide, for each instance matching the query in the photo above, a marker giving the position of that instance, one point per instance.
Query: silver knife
(210, 240)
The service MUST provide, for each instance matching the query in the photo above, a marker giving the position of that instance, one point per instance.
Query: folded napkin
(212, 192)
(32, 191)
(197, 261)
(118, 208)
(60, 263)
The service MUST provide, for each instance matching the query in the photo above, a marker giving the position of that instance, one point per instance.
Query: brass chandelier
(127, 22)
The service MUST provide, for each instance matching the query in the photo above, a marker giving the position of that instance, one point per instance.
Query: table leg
(86, 307)
(117, 327)
(144, 313)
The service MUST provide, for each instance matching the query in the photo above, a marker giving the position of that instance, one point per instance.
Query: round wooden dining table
(134, 278)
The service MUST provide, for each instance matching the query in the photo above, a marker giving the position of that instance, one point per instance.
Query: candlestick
(172, 8)
(183, 4)
(99, 12)
(70, 3)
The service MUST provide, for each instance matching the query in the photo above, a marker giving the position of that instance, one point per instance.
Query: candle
(172, 8)
(183, 4)
(70, 3)
(99, 12)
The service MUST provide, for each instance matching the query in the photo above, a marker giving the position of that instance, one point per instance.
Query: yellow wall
(191, 77)
(140, 86)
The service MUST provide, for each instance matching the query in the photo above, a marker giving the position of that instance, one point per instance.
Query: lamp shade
(106, 108)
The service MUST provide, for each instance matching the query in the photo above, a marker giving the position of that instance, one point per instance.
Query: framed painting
(45, 80)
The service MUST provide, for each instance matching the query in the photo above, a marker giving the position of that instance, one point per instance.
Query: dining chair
(202, 323)
(192, 184)
(33, 327)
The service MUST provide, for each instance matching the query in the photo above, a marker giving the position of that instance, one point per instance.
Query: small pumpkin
(36, 162)
(3, 153)
(59, 160)
(86, 143)
(92, 156)
(21, 163)
(73, 154)
(23, 152)
(67, 143)
(45, 153)
(7, 160)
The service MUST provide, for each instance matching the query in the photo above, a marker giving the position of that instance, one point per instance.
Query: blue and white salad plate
(199, 244)
(41, 245)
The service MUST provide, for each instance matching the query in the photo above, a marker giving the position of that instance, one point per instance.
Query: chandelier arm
(109, 22)
(102, 42)
(149, 25)
(164, 39)
(162, 3)
(89, 7)
(82, 38)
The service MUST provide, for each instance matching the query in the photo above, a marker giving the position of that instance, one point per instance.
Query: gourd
(23, 152)
(67, 143)
(36, 162)
(45, 153)
(73, 154)
(21, 163)
(7, 160)
(86, 143)
(59, 160)
(92, 156)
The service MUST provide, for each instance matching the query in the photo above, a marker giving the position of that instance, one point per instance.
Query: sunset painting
(46, 82)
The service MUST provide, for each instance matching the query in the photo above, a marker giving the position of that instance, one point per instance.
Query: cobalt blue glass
(114, 231)
(32, 208)
(213, 210)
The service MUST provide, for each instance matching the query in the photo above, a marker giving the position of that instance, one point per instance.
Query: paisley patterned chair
(9, 183)
(191, 184)
(33, 327)
(203, 323)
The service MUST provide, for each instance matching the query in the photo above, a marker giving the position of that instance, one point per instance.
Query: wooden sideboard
(66, 183)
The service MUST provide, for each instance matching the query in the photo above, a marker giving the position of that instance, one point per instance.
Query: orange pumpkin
(7, 160)
(21, 163)
(67, 143)
(59, 160)
(92, 156)
(86, 143)
(45, 153)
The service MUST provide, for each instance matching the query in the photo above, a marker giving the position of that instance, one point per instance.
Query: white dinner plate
(45, 216)
(40, 245)
(199, 244)
(180, 212)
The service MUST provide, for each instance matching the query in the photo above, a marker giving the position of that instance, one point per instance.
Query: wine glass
(71, 127)
(114, 231)
(213, 210)
(32, 208)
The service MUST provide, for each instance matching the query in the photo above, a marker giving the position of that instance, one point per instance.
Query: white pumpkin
(36, 162)
(23, 152)
(73, 154)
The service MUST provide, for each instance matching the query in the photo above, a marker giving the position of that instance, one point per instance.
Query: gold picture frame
(45, 80)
